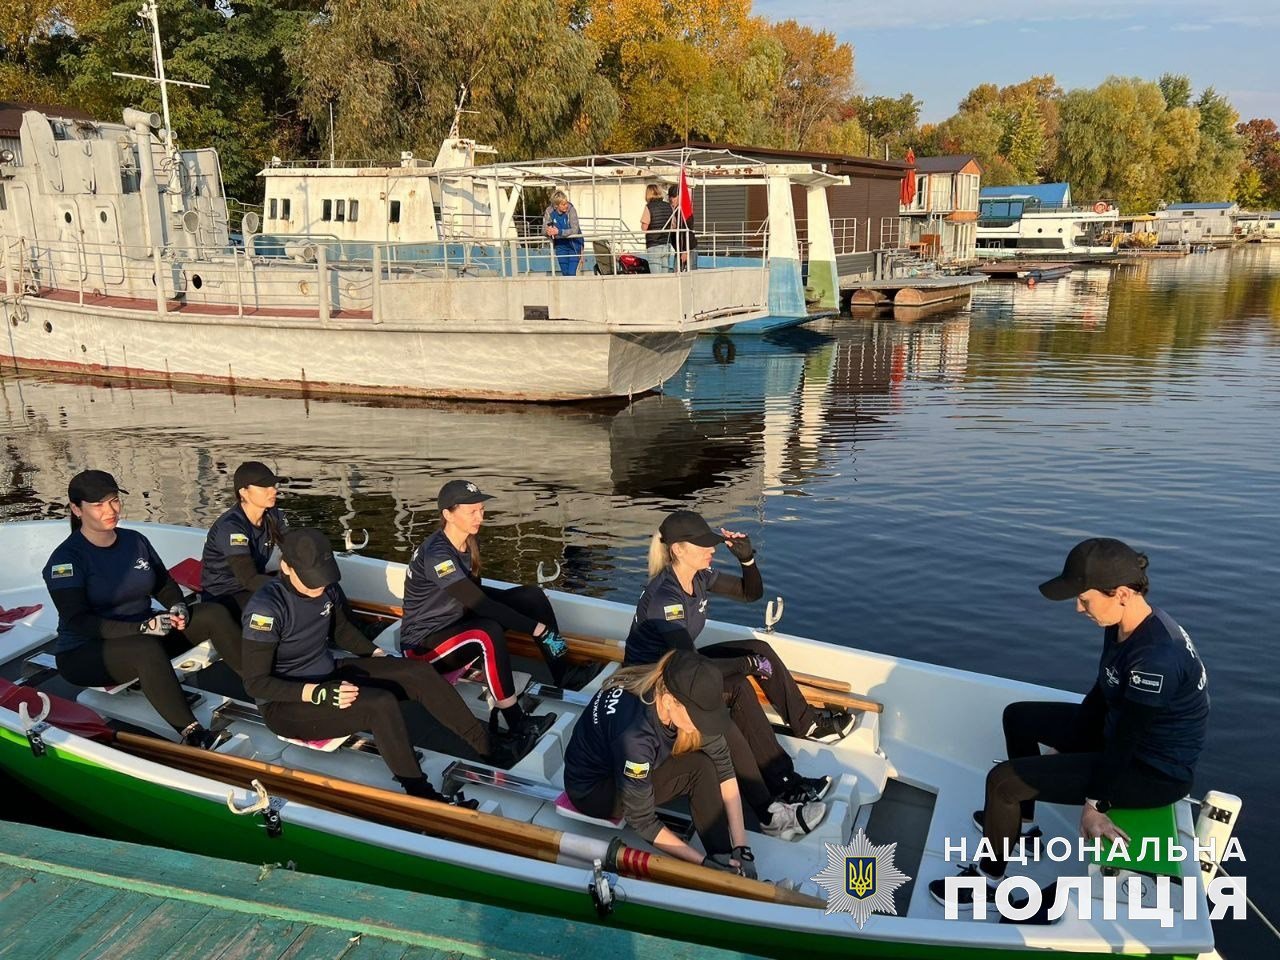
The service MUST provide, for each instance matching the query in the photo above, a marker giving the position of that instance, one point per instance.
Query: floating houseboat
(1039, 220)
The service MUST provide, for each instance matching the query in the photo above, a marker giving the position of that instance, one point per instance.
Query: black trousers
(691, 775)
(781, 690)
(1027, 776)
(471, 638)
(383, 683)
(103, 663)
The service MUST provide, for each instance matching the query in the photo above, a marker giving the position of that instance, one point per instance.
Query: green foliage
(890, 119)
(1176, 90)
(1262, 156)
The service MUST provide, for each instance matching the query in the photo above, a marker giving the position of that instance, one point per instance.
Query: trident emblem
(860, 881)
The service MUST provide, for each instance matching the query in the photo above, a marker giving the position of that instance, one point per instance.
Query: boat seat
(324, 746)
(1140, 823)
(461, 773)
(565, 807)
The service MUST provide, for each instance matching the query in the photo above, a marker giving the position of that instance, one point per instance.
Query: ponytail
(659, 556)
(640, 681)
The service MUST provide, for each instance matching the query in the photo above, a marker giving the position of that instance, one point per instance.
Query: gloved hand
(157, 626)
(181, 616)
(720, 861)
(746, 860)
(741, 548)
(327, 694)
(760, 666)
(552, 644)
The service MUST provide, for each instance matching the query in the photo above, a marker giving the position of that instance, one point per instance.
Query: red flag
(686, 198)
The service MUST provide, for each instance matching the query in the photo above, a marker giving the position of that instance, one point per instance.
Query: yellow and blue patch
(259, 621)
(860, 880)
(674, 612)
(636, 771)
(239, 540)
(60, 571)
(445, 567)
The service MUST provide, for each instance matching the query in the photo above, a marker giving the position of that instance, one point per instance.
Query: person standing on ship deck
(560, 223)
(655, 221)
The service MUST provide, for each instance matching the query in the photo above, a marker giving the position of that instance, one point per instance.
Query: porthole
(197, 281)
(67, 216)
(83, 348)
(48, 327)
(102, 215)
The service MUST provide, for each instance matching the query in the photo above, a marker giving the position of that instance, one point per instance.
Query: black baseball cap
(1096, 564)
(92, 486)
(308, 553)
(252, 473)
(457, 492)
(699, 686)
(685, 526)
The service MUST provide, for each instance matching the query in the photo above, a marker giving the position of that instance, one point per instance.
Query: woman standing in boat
(306, 694)
(1135, 739)
(671, 614)
(451, 618)
(102, 581)
(560, 223)
(653, 734)
(655, 221)
(240, 542)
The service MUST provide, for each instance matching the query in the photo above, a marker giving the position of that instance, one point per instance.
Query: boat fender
(1101, 207)
(601, 889)
(1214, 825)
(724, 350)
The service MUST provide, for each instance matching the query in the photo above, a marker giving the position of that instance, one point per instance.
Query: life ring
(723, 350)
(1101, 207)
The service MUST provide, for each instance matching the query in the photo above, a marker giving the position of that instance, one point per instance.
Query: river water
(907, 484)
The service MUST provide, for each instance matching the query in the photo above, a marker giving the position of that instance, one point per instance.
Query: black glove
(747, 859)
(741, 548)
(326, 694)
(157, 626)
(180, 611)
(759, 665)
(552, 644)
(720, 861)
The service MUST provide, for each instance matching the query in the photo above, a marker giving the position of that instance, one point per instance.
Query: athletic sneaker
(791, 820)
(206, 739)
(830, 727)
(798, 789)
(423, 789)
(1031, 832)
(964, 895)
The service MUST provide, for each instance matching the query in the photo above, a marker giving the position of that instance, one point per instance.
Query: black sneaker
(964, 895)
(798, 789)
(531, 727)
(830, 727)
(206, 739)
(1034, 833)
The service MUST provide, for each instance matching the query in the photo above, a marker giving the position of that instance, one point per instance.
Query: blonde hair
(646, 679)
(558, 196)
(653, 192)
(659, 555)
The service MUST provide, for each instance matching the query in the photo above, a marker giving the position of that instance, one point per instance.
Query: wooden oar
(511, 837)
(818, 691)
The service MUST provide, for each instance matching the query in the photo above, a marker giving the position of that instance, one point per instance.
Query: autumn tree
(810, 96)
(1262, 157)
(891, 120)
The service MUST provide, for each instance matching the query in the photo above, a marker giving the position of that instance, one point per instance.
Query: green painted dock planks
(64, 895)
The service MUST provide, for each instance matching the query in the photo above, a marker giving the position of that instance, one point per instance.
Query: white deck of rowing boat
(940, 731)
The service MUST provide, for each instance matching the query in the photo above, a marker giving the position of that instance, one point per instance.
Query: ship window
(102, 215)
(272, 214)
(339, 210)
(395, 211)
(353, 210)
(1188, 213)
(67, 216)
(3, 204)
(326, 212)
(284, 209)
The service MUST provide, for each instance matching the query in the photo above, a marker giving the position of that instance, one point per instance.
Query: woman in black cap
(451, 618)
(102, 580)
(671, 614)
(240, 542)
(653, 734)
(306, 694)
(1135, 739)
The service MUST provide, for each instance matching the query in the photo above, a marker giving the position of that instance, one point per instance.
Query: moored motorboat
(927, 751)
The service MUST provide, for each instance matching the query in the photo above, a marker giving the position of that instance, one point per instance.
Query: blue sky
(940, 49)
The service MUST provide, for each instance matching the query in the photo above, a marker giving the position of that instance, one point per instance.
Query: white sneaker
(791, 820)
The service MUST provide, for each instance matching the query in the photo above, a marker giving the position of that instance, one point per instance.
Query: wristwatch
(1102, 806)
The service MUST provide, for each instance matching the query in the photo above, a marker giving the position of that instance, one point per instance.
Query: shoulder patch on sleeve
(444, 568)
(60, 570)
(636, 771)
(674, 611)
(239, 540)
(1146, 682)
(260, 621)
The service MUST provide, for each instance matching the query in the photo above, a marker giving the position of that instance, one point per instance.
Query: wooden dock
(909, 291)
(65, 895)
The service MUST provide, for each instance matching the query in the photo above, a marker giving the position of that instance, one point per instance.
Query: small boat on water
(909, 774)
(1038, 221)
(1025, 270)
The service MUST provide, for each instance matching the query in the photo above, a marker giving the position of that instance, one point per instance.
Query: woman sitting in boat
(654, 734)
(1135, 739)
(560, 223)
(655, 221)
(240, 542)
(306, 694)
(102, 580)
(671, 614)
(452, 619)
